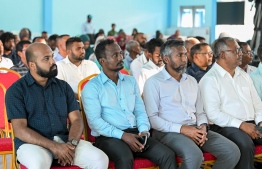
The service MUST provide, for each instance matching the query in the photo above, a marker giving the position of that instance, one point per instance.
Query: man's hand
(65, 153)
(250, 129)
(143, 134)
(131, 140)
(203, 127)
(197, 135)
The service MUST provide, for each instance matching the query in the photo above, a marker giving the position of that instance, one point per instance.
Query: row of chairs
(7, 77)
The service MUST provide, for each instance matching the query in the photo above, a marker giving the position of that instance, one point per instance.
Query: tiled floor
(8, 162)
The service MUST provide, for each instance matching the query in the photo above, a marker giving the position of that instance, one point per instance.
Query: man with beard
(137, 63)
(155, 63)
(8, 40)
(116, 113)
(246, 58)
(202, 56)
(231, 102)
(74, 67)
(175, 110)
(38, 106)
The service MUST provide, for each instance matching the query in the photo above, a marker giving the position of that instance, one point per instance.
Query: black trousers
(123, 157)
(244, 142)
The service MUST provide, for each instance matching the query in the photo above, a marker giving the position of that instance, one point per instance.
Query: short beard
(47, 74)
(180, 69)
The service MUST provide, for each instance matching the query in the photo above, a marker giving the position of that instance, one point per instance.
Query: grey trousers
(226, 152)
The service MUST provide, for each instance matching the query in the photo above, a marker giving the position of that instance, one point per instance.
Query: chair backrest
(87, 130)
(8, 77)
(3, 116)
(124, 71)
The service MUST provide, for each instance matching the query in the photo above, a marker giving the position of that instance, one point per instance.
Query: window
(192, 16)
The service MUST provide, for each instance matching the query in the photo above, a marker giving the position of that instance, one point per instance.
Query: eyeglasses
(206, 53)
(237, 50)
(248, 52)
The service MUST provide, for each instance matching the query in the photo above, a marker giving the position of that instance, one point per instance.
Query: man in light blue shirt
(175, 110)
(116, 113)
(256, 76)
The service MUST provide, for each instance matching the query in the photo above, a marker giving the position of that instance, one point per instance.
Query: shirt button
(124, 110)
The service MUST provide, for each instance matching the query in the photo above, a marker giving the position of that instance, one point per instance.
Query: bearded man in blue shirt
(38, 106)
(116, 113)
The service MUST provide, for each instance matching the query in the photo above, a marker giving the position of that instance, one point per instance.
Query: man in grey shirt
(175, 109)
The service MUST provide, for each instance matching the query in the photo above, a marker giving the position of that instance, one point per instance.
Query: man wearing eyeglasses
(246, 58)
(175, 110)
(231, 102)
(201, 55)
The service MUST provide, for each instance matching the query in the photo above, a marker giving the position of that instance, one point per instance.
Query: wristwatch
(73, 142)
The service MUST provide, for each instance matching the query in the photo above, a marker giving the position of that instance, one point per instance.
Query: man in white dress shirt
(155, 63)
(175, 110)
(137, 63)
(231, 101)
(74, 67)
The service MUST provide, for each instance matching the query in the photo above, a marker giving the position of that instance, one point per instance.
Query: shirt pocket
(131, 101)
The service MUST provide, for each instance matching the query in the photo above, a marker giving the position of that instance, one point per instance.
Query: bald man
(189, 43)
(39, 116)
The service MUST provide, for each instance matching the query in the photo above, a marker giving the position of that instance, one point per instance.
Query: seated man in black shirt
(38, 106)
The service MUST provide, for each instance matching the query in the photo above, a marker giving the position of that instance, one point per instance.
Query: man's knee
(34, 157)
(194, 156)
(245, 144)
(230, 152)
(88, 156)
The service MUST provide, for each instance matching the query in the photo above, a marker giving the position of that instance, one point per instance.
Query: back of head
(152, 44)
(223, 34)
(38, 39)
(221, 44)
(166, 50)
(6, 37)
(196, 48)
(70, 42)
(100, 50)
(130, 45)
(200, 38)
(20, 45)
(191, 41)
